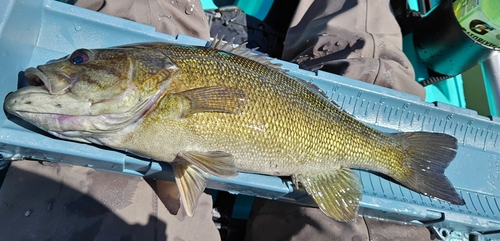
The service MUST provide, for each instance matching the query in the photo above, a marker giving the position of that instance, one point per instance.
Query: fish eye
(80, 56)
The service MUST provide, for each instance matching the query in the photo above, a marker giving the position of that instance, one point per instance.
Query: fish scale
(284, 127)
(219, 110)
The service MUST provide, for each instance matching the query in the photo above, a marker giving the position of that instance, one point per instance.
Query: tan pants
(356, 39)
(61, 202)
(167, 16)
(273, 220)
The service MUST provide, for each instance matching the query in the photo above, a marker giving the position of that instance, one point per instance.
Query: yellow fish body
(218, 110)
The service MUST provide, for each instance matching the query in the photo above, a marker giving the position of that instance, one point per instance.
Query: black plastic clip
(428, 223)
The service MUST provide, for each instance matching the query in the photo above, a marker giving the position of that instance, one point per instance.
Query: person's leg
(276, 220)
(171, 17)
(62, 202)
(357, 39)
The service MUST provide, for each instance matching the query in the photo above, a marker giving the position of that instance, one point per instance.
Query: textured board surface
(33, 32)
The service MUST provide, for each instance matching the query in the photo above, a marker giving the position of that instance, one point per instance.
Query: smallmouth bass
(219, 110)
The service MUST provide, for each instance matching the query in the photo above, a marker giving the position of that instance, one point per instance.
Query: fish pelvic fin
(427, 155)
(191, 182)
(217, 163)
(337, 194)
(214, 99)
(192, 169)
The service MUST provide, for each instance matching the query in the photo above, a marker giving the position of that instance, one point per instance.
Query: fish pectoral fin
(217, 163)
(337, 194)
(191, 182)
(214, 99)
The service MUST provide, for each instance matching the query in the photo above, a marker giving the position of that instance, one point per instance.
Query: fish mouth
(36, 77)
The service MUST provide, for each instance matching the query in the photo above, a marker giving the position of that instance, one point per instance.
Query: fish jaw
(69, 117)
(56, 114)
(37, 99)
(66, 116)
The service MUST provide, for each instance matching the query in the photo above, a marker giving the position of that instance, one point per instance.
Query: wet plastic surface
(33, 32)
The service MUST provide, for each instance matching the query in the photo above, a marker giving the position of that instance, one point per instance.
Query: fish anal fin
(191, 182)
(217, 163)
(336, 193)
(214, 99)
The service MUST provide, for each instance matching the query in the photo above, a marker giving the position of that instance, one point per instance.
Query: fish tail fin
(427, 155)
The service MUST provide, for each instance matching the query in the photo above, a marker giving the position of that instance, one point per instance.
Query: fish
(220, 110)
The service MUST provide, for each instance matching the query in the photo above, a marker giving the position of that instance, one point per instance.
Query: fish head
(92, 92)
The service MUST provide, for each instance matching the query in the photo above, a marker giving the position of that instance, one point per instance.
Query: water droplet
(164, 16)
(50, 206)
(190, 9)
(28, 213)
(77, 27)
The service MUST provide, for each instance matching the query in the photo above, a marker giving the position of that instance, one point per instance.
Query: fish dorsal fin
(192, 169)
(312, 87)
(213, 99)
(315, 89)
(337, 193)
(243, 51)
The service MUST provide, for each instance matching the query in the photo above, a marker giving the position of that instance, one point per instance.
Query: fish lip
(36, 77)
